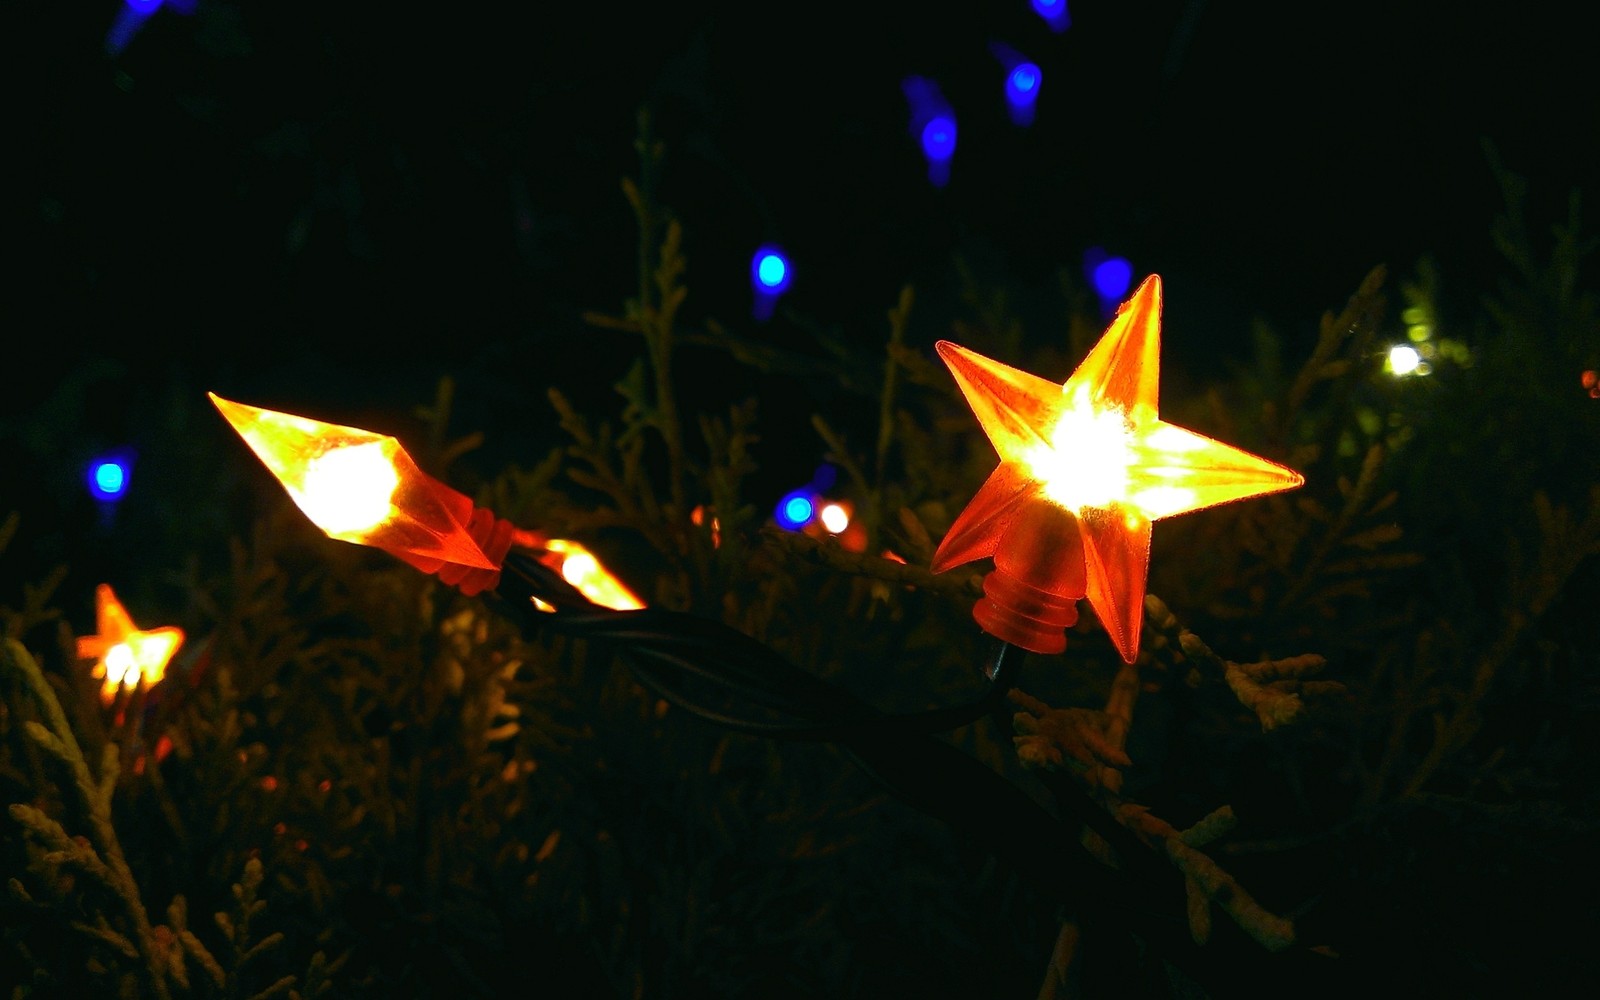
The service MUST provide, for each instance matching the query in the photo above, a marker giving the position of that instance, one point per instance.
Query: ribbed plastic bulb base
(1031, 596)
(1023, 615)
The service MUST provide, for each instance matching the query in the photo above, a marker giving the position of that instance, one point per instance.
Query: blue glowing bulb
(108, 478)
(795, 511)
(1112, 277)
(1022, 91)
(770, 271)
(1024, 81)
(143, 6)
(939, 138)
(1054, 13)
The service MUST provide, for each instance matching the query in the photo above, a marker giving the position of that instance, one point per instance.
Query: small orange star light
(123, 653)
(360, 486)
(1085, 467)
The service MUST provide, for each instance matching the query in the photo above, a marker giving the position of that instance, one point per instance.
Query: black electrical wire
(662, 646)
(658, 643)
(670, 651)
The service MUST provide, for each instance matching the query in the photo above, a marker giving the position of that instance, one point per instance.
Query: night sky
(330, 206)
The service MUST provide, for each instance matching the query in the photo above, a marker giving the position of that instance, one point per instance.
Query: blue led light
(770, 275)
(933, 125)
(108, 478)
(1023, 77)
(1054, 12)
(795, 511)
(123, 27)
(939, 138)
(1022, 91)
(1023, 83)
(131, 16)
(1112, 278)
(770, 271)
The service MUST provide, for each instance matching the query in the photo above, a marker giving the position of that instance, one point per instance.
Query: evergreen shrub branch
(422, 781)
(101, 853)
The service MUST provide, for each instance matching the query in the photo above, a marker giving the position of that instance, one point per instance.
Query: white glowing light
(141, 655)
(1173, 440)
(121, 665)
(1404, 360)
(349, 490)
(834, 517)
(1086, 462)
(578, 567)
(1163, 501)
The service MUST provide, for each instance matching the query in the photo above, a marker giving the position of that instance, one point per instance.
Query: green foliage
(380, 788)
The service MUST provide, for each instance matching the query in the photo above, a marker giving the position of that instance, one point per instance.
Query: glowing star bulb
(123, 653)
(362, 487)
(1085, 467)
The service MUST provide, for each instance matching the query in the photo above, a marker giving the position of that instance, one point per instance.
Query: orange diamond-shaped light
(125, 654)
(583, 569)
(360, 486)
(1085, 467)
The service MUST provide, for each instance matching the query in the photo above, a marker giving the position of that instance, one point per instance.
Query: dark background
(327, 207)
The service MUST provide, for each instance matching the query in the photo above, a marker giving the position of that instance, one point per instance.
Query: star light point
(1085, 467)
(124, 653)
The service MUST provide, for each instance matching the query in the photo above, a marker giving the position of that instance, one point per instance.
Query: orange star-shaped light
(125, 653)
(1085, 467)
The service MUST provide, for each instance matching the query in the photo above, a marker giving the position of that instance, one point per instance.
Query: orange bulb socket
(1031, 597)
(493, 536)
